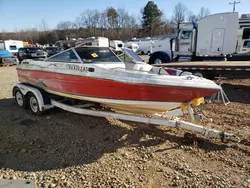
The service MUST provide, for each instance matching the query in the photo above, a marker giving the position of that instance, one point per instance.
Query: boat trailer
(28, 96)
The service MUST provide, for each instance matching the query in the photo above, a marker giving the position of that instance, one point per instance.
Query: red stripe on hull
(93, 87)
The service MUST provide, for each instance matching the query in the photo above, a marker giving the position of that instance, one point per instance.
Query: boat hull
(121, 95)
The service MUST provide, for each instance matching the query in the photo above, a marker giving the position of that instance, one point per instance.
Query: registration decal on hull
(78, 68)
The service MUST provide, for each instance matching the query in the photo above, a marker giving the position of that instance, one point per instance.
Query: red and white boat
(121, 81)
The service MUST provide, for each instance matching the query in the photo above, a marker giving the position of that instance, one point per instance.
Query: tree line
(112, 23)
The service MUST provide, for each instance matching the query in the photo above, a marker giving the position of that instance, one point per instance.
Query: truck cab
(186, 40)
(245, 49)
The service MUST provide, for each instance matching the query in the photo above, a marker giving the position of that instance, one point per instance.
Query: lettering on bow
(78, 68)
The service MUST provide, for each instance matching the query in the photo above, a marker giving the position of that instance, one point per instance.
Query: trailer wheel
(20, 99)
(33, 104)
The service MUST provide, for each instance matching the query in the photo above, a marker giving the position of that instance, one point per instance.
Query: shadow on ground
(61, 139)
(237, 93)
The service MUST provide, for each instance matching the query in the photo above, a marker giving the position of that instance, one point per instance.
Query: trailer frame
(212, 69)
(44, 103)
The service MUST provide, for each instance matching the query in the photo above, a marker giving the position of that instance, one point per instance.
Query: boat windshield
(96, 54)
(133, 55)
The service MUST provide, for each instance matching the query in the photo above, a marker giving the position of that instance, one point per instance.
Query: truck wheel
(33, 104)
(199, 74)
(176, 59)
(19, 60)
(158, 59)
(20, 99)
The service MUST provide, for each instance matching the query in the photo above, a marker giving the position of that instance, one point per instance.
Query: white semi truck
(215, 37)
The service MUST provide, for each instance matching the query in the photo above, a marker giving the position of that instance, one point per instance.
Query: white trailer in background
(145, 45)
(92, 41)
(96, 41)
(117, 45)
(132, 46)
(11, 45)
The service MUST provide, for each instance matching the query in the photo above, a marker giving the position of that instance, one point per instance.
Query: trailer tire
(33, 104)
(20, 99)
(159, 59)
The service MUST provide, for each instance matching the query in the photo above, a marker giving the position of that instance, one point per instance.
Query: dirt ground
(62, 149)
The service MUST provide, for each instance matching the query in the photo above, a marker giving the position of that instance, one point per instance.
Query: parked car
(52, 50)
(6, 57)
(30, 53)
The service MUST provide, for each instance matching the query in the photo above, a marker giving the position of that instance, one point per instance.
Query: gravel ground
(61, 149)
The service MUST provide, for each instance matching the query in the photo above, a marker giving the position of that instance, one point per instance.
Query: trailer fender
(159, 57)
(25, 89)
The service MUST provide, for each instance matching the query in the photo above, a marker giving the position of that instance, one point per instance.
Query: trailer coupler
(225, 137)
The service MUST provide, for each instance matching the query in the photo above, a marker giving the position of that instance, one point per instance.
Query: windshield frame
(63, 51)
(81, 61)
(104, 62)
(125, 50)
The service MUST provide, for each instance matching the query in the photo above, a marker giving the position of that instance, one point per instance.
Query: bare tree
(65, 28)
(203, 12)
(103, 23)
(191, 17)
(126, 24)
(103, 20)
(44, 26)
(65, 25)
(179, 13)
(90, 18)
(122, 18)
